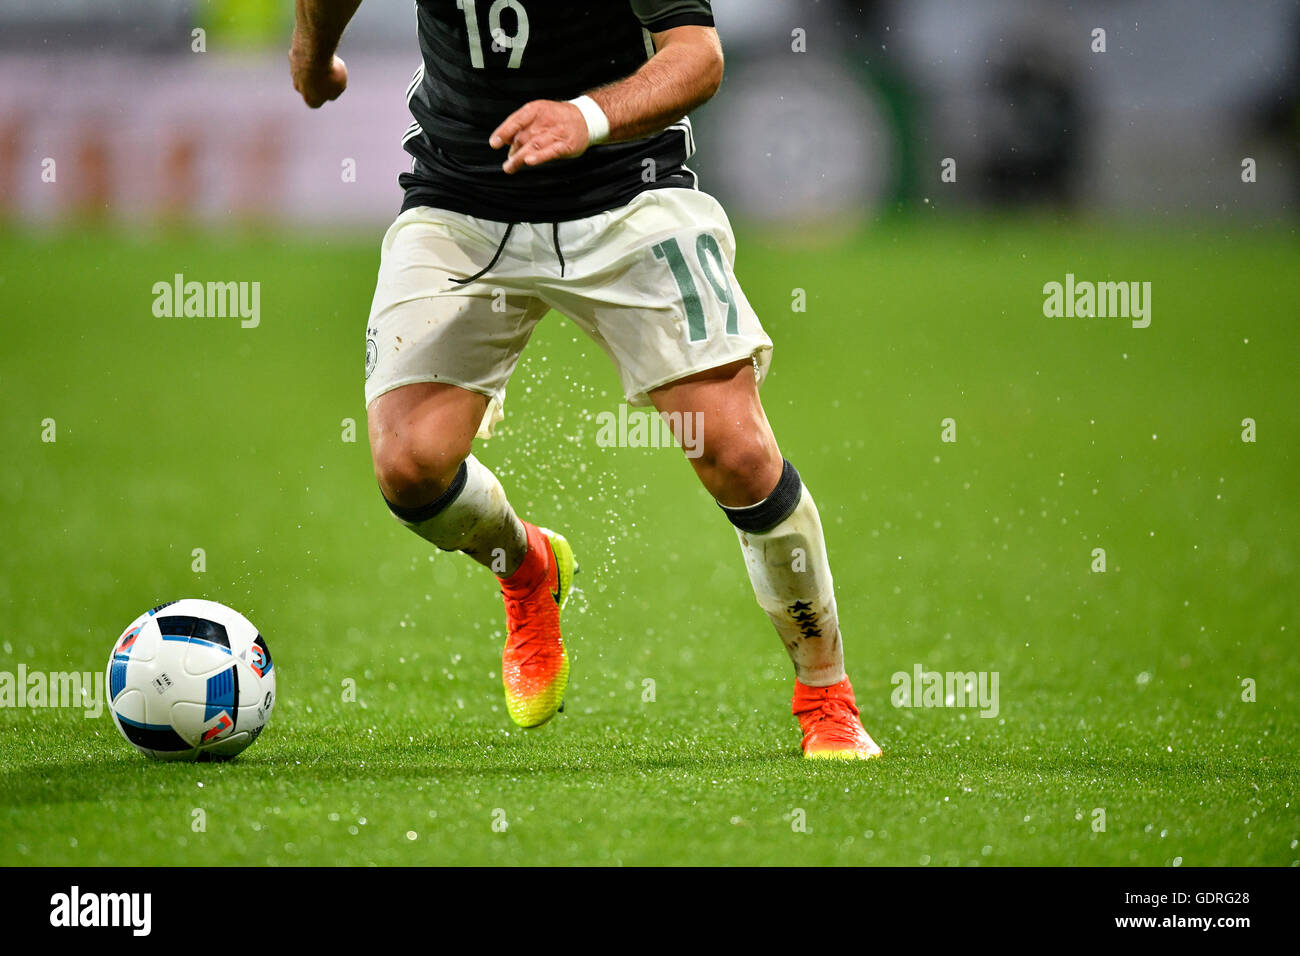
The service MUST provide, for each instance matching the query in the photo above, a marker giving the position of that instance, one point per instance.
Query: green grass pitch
(1120, 691)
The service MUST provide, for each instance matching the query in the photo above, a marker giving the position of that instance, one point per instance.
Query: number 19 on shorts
(713, 267)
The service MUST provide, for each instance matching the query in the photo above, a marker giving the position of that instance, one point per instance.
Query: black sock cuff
(773, 509)
(439, 504)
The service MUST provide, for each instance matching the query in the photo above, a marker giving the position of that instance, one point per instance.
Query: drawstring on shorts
(510, 227)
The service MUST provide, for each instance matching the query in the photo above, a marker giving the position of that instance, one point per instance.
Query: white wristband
(597, 121)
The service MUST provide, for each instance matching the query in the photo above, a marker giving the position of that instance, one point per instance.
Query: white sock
(792, 580)
(474, 516)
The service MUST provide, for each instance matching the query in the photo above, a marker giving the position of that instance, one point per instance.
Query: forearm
(319, 27)
(683, 74)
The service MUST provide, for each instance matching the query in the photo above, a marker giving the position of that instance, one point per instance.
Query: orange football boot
(534, 664)
(830, 723)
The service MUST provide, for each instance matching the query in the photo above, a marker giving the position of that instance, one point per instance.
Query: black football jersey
(483, 59)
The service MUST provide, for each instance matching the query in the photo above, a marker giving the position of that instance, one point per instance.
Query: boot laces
(834, 719)
(527, 641)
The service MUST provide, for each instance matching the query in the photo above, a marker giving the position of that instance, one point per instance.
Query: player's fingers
(514, 162)
(514, 156)
(317, 89)
(544, 154)
(512, 125)
(534, 153)
(338, 77)
(524, 146)
(517, 159)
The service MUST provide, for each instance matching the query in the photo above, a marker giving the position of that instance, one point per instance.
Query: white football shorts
(652, 283)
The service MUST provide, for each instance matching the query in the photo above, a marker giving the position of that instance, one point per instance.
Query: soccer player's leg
(438, 356)
(653, 283)
(420, 438)
(781, 538)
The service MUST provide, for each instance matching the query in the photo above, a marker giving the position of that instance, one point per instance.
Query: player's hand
(539, 132)
(317, 82)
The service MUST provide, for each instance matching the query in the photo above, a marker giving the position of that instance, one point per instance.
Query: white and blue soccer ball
(191, 680)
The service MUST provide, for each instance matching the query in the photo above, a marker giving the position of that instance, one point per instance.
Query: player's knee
(410, 473)
(742, 470)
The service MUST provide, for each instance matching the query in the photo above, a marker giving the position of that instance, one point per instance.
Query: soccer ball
(191, 680)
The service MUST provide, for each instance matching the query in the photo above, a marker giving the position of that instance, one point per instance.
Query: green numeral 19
(714, 268)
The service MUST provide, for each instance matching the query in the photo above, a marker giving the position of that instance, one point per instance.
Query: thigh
(425, 327)
(653, 283)
(718, 419)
